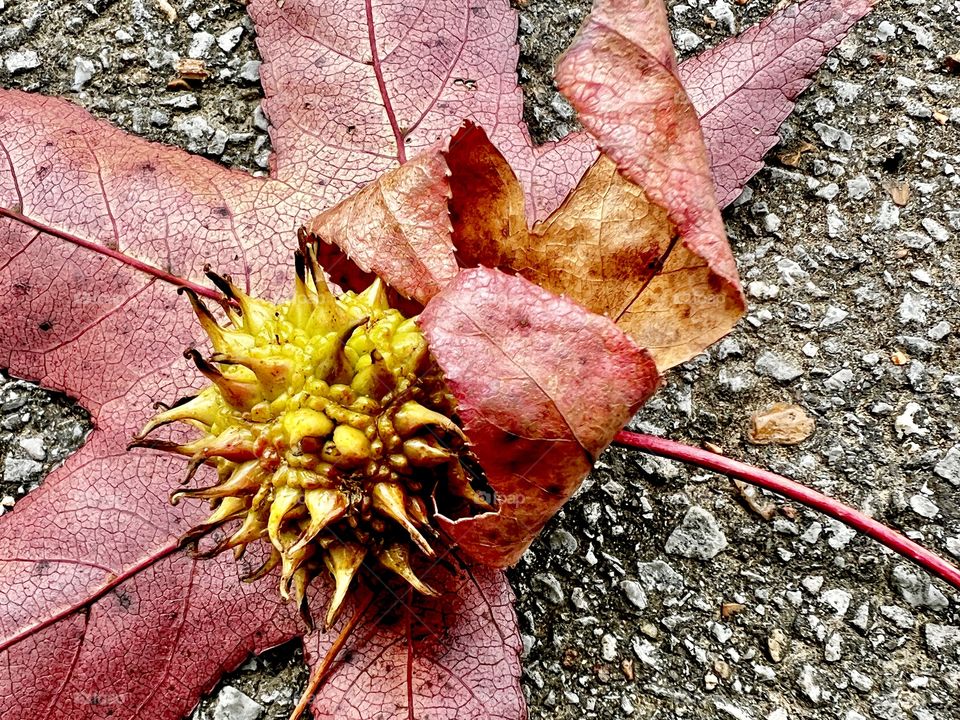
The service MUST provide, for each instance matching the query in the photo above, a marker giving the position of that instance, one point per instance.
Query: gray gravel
(854, 311)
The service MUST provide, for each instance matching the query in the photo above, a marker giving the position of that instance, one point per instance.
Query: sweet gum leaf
(751, 81)
(90, 568)
(454, 651)
(555, 384)
(620, 75)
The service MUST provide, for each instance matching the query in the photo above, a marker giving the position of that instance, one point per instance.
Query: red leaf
(353, 90)
(554, 385)
(435, 657)
(744, 88)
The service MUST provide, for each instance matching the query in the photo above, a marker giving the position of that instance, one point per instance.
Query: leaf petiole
(707, 460)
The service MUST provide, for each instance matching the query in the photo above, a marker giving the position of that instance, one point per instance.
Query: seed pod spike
(343, 560)
(421, 452)
(459, 484)
(324, 507)
(269, 564)
(301, 580)
(389, 499)
(252, 529)
(273, 374)
(254, 313)
(412, 417)
(290, 562)
(242, 394)
(203, 408)
(396, 558)
(285, 498)
(218, 336)
(375, 296)
(242, 481)
(228, 509)
(301, 305)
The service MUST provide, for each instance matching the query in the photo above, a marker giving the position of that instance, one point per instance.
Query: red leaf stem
(110, 253)
(795, 491)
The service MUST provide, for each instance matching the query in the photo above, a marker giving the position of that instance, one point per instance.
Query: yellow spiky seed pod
(330, 429)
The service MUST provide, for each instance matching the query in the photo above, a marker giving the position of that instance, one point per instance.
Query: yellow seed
(352, 444)
(305, 422)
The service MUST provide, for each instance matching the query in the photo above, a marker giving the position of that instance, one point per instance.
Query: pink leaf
(445, 659)
(553, 386)
(744, 88)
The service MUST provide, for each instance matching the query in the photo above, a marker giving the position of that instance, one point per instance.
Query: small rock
(22, 60)
(660, 576)
(829, 191)
(863, 683)
(777, 645)
(723, 14)
(917, 589)
(197, 131)
(901, 618)
(885, 31)
(939, 331)
(809, 687)
(949, 466)
(635, 594)
(762, 290)
(937, 231)
(831, 650)
(835, 223)
(905, 424)
(251, 71)
(200, 45)
(646, 652)
(839, 534)
(563, 541)
(837, 599)
(549, 587)
(229, 40)
(19, 471)
(924, 506)
(833, 316)
(839, 380)
(83, 71)
(941, 638)
(859, 187)
(34, 447)
(888, 217)
(232, 704)
(687, 40)
(777, 367)
(698, 536)
(608, 647)
(834, 137)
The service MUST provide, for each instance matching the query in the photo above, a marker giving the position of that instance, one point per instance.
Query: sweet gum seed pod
(331, 432)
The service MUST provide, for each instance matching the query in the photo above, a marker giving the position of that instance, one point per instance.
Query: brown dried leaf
(780, 424)
(899, 192)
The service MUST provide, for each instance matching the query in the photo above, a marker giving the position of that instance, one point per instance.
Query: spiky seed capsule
(330, 430)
